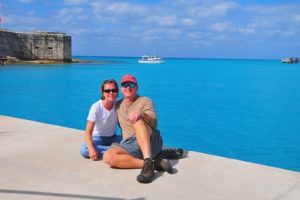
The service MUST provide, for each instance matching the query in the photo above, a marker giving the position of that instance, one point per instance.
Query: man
(141, 139)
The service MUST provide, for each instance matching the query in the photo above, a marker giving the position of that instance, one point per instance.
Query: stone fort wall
(36, 46)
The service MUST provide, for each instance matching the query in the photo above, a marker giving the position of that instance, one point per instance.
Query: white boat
(151, 60)
(290, 60)
(287, 60)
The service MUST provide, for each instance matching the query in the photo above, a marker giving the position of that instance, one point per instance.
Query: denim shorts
(100, 143)
(132, 147)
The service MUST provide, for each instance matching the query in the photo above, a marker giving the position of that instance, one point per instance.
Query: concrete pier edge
(42, 161)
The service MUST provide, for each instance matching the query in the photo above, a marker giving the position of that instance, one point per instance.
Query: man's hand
(134, 116)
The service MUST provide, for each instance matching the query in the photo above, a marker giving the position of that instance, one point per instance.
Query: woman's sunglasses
(110, 90)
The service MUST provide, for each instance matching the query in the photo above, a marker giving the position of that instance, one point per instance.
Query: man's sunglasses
(110, 90)
(128, 84)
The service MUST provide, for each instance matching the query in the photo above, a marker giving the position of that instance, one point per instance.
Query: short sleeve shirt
(142, 103)
(105, 120)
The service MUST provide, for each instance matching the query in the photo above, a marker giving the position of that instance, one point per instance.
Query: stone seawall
(36, 46)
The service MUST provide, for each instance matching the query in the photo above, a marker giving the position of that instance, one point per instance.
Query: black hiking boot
(162, 165)
(147, 173)
(173, 154)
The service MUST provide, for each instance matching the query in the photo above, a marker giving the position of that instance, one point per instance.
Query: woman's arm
(93, 154)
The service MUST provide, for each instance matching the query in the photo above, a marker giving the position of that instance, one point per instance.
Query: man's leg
(143, 133)
(119, 158)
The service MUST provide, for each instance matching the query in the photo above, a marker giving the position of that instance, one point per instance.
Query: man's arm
(146, 113)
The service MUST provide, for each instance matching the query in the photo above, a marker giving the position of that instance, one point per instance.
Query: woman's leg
(101, 145)
(84, 150)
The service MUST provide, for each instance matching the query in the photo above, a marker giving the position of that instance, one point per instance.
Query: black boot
(171, 154)
(147, 173)
(162, 165)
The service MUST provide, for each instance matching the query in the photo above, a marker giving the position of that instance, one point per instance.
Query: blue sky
(169, 28)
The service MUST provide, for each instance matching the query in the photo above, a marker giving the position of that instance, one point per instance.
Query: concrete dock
(42, 161)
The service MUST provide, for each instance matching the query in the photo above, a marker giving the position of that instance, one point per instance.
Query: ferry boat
(151, 60)
(287, 60)
(290, 60)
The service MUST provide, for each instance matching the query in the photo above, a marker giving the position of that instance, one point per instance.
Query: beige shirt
(141, 103)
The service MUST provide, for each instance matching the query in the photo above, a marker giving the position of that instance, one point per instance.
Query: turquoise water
(242, 109)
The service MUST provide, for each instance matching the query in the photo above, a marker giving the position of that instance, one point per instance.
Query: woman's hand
(93, 154)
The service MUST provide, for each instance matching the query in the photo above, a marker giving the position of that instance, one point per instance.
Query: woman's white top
(105, 120)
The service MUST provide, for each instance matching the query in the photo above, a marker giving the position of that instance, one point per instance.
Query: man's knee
(141, 124)
(111, 156)
(108, 157)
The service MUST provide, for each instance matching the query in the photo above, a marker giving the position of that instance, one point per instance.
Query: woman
(101, 125)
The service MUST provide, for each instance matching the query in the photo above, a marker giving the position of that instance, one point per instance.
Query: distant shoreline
(91, 59)
(13, 60)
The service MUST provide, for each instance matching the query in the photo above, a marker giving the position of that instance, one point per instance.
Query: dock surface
(42, 161)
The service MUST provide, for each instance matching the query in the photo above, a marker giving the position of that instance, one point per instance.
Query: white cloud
(213, 10)
(267, 10)
(151, 34)
(25, 1)
(297, 18)
(223, 8)
(117, 9)
(173, 33)
(80, 31)
(188, 21)
(74, 15)
(167, 20)
(246, 31)
(74, 2)
(221, 26)
(122, 13)
(289, 33)
(201, 38)
(126, 9)
(26, 23)
(120, 8)
(196, 35)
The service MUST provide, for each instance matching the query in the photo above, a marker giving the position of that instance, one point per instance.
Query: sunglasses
(128, 84)
(110, 90)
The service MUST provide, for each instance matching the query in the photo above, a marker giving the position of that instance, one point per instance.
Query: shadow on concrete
(51, 194)
(173, 163)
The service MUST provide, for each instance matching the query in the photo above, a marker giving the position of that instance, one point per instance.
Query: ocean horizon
(172, 57)
(246, 109)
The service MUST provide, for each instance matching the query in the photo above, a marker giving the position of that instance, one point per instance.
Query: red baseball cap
(128, 78)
